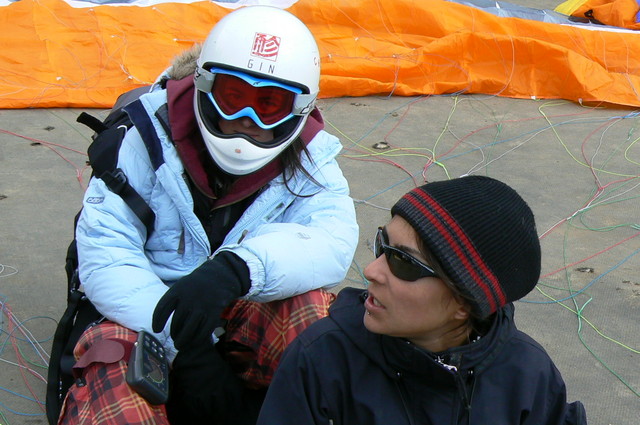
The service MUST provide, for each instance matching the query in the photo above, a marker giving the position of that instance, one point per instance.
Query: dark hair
(291, 162)
(476, 324)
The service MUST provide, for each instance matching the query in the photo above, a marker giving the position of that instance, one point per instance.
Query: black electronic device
(148, 370)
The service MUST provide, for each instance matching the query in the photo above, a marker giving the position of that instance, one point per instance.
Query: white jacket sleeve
(115, 273)
(309, 245)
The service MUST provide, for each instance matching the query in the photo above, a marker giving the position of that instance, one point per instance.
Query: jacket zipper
(238, 234)
(403, 398)
(462, 389)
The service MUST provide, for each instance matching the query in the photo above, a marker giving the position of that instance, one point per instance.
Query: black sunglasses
(403, 266)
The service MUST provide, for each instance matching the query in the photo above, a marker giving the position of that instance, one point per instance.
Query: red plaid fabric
(106, 398)
(256, 336)
(257, 333)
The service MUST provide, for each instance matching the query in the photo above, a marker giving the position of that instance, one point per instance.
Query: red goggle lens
(270, 103)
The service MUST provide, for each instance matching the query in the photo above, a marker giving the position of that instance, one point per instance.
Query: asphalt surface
(576, 165)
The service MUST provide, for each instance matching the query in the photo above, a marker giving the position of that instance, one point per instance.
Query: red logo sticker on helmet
(266, 46)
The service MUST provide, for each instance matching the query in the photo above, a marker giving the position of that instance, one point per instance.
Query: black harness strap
(103, 157)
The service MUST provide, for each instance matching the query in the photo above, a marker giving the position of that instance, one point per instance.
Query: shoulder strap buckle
(115, 180)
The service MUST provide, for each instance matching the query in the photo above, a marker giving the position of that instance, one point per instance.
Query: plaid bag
(256, 336)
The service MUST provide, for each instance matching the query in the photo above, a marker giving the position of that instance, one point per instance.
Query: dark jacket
(337, 372)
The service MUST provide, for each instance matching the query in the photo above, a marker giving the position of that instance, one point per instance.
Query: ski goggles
(402, 265)
(268, 103)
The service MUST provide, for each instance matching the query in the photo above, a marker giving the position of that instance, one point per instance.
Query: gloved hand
(202, 388)
(198, 299)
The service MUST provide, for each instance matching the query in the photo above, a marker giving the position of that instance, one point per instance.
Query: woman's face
(424, 311)
(247, 126)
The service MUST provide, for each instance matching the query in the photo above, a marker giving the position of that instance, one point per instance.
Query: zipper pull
(449, 367)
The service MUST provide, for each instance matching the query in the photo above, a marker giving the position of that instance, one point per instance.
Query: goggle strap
(203, 80)
(303, 103)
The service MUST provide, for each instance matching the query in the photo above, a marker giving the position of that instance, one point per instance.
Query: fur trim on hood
(185, 63)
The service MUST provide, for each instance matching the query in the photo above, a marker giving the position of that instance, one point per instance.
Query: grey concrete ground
(577, 167)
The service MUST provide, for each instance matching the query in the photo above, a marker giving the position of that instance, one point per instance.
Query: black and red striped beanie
(482, 232)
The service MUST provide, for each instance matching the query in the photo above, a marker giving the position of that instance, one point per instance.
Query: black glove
(202, 388)
(198, 299)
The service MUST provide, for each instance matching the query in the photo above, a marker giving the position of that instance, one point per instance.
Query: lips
(373, 304)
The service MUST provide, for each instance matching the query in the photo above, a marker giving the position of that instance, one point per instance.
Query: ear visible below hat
(462, 313)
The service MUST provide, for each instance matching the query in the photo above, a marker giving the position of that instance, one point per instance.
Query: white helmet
(268, 48)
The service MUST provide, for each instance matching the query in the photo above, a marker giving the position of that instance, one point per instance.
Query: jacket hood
(397, 356)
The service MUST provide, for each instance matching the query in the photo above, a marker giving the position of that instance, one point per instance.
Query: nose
(377, 270)
(247, 122)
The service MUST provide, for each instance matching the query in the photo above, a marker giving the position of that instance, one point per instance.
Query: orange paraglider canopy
(619, 13)
(57, 54)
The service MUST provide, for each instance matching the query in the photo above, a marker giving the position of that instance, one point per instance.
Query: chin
(371, 324)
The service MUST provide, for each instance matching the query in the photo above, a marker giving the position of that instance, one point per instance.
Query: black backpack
(80, 313)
